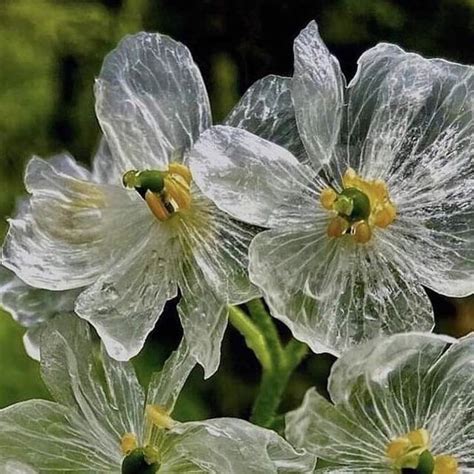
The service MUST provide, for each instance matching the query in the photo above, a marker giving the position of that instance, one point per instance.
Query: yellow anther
(362, 232)
(350, 178)
(385, 216)
(445, 464)
(337, 226)
(398, 447)
(177, 190)
(419, 438)
(128, 443)
(159, 417)
(327, 198)
(157, 206)
(182, 170)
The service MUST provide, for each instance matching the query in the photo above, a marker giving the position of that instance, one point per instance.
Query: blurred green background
(50, 52)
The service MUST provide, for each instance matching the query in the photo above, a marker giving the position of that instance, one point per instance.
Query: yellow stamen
(156, 205)
(327, 198)
(128, 443)
(337, 227)
(159, 417)
(419, 438)
(445, 464)
(362, 232)
(364, 204)
(182, 170)
(398, 447)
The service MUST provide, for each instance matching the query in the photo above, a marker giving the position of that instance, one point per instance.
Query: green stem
(253, 337)
(278, 362)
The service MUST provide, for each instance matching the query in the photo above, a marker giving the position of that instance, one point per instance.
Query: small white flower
(142, 229)
(378, 207)
(399, 403)
(102, 421)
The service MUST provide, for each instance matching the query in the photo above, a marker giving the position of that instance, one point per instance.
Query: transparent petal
(16, 467)
(220, 249)
(233, 446)
(105, 168)
(32, 341)
(52, 438)
(250, 178)
(451, 388)
(151, 101)
(165, 386)
(67, 232)
(125, 302)
(31, 306)
(362, 103)
(318, 95)
(103, 392)
(333, 293)
(203, 315)
(331, 434)
(266, 110)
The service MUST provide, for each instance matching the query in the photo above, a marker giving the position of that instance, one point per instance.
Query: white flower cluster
(335, 203)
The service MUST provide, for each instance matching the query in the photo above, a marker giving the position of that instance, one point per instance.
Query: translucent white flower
(142, 229)
(400, 402)
(103, 422)
(34, 307)
(380, 206)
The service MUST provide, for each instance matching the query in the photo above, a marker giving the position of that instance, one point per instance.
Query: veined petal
(104, 393)
(266, 110)
(106, 168)
(331, 434)
(52, 438)
(124, 304)
(233, 446)
(252, 179)
(450, 415)
(318, 95)
(203, 315)
(151, 101)
(32, 341)
(333, 293)
(61, 239)
(165, 386)
(219, 245)
(31, 306)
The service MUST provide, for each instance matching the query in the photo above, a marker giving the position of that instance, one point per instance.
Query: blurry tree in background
(50, 52)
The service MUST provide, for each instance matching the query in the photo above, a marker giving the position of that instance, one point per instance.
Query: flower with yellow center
(103, 422)
(137, 230)
(402, 404)
(366, 202)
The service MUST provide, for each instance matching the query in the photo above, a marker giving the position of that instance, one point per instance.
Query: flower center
(145, 460)
(410, 454)
(361, 205)
(165, 192)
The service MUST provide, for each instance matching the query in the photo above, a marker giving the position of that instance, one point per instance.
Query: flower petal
(165, 386)
(203, 315)
(105, 168)
(331, 434)
(124, 303)
(232, 445)
(266, 110)
(62, 238)
(250, 178)
(105, 393)
(333, 293)
(31, 307)
(318, 95)
(52, 438)
(151, 101)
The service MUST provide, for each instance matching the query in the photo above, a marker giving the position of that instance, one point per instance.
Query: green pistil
(146, 180)
(140, 461)
(352, 204)
(426, 464)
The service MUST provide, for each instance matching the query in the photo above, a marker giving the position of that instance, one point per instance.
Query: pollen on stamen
(128, 443)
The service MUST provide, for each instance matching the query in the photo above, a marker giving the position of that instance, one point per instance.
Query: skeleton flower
(400, 404)
(143, 229)
(103, 422)
(379, 206)
(34, 307)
